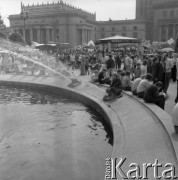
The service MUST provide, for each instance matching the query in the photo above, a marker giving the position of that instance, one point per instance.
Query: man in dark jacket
(152, 95)
(154, 68)
(110, 65)
(118, 61)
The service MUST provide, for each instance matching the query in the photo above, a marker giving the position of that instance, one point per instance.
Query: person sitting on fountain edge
(103, 78)
(152, 95)
(115, 88)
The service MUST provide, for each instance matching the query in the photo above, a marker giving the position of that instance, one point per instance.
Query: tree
(2, 25)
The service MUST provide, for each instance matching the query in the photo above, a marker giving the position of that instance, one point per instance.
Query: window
(163, 32)
(102, 29)
(21, 32)
(35, 35)
(113, 34)
(123, 28)
(113, 28)
(170, 31)
(176, 33)
(164, 14)
(135, 28)
(135, 34)
(172, 13)
(102, 35)
(57, 38)
(57, 31)
(124, 34)
(50, 34)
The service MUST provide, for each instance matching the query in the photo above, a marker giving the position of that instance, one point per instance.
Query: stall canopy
(118, 39)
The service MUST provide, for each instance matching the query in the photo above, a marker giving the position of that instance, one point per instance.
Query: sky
(105, 9)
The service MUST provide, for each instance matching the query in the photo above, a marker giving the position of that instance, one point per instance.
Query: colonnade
(40, 35)
(45, 35)
(86, 35)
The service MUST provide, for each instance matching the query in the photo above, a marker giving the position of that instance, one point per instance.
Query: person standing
(168, 65)
(154, 69)
(128, 63)
(110, 65)
(174, 69)
(144, 68)
(118, 61)
(176, 100)
(82, 66)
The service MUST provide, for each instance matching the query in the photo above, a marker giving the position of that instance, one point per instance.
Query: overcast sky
(105, 9)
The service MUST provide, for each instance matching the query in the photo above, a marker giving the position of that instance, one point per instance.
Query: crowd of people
(144, 74)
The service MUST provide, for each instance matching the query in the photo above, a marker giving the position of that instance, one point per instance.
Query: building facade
(130, 28)
(156, 20)
(56, 22)
(165, 19)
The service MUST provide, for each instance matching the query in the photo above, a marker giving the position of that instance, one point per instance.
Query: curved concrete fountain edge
(92, 96)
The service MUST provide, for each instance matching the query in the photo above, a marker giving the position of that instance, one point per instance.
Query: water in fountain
(37, 58)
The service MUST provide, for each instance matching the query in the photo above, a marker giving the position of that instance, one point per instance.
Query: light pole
(24, 16)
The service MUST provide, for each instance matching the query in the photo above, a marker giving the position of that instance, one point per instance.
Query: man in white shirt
(143, 85)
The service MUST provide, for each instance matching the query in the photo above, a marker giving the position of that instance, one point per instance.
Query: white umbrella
(167, 50)
(91, 43)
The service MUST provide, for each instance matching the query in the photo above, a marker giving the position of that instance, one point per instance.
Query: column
(83, 36)
(90, 35)
(109, 47)
(52, 34)
(160, 33)
(174, 31)
(167, 32)
(47, 36)
(86, 38)
(38, 35)
(31, 34)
